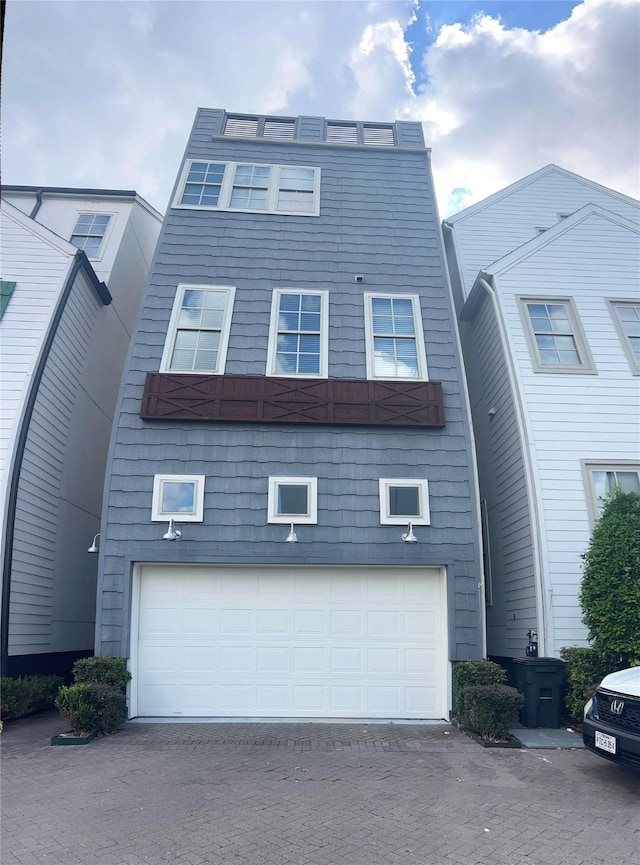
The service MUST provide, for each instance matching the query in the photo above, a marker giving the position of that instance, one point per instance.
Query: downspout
(13, 479)
(37, 205)
(487, 283)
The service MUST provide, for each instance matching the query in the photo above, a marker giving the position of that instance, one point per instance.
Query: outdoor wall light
(94, 545)
(292, 537)
(408, 537)
(172, 533)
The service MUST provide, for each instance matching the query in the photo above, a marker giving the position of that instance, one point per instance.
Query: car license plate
(605, 742)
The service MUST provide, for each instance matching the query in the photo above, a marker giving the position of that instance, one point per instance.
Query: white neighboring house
(546, 277)
(73, 267)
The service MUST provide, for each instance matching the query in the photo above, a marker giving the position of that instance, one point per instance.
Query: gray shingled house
(290, 524)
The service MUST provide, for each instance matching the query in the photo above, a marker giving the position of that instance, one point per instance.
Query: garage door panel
(298, 644)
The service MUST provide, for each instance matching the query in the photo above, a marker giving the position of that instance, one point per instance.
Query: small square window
(89, 233)
(404, 500)
(178, 497)
(293, 500)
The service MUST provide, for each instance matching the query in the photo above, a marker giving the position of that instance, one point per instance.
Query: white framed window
(178, 497)
(198, 333)
(298, 334)
(626, 316)
(293, 500)
(292, 190)
(395, 342)
(604, 478)
(554, 336)
(404, 500)
(486, 553)
(90, 231)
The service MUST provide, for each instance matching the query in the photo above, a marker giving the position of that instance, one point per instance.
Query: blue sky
(103, 94)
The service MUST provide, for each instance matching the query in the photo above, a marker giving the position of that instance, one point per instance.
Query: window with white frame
(198, 333)
(404, 500)
(395, 343)
(627, 319)
(89, 232)
(298, 341)
(292, 190)
(486, 553)
(603, 479)
(293, 500)
(178, 497)
(554, 335)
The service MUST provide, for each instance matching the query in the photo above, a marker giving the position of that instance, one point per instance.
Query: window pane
(178, 497)
(629, 482)
(310, 302)
(404, 502)
(292, 500)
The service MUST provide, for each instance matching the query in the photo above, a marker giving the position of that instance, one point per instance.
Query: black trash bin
(541, 681)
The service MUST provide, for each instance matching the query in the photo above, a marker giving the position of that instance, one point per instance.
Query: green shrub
(92, 707)
(490, 710)
(584, 668)
(610, 593)
(474, 673)
(23, 696)
(106, 671)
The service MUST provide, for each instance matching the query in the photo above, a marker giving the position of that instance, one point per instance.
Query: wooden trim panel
(257, 399)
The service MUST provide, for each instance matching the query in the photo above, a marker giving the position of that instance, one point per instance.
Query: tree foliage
(610, 594)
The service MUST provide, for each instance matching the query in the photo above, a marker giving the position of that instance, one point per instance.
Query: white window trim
(624, 337)
(105, 237)
(273, 334)
(227, 188)
(423, 374)
(172, 330)
(158, 516)
(311, 518)
(587, 367)
(588, 467)
(422, 485)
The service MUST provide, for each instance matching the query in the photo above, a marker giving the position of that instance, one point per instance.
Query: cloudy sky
(103, 93)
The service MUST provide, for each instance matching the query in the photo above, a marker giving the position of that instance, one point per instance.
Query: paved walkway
(308, 794)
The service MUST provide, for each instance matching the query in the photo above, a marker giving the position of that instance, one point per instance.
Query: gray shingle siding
(377, 218)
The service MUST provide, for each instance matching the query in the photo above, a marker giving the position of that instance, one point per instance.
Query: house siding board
(376, 219)
(38, 495)
(502, 483)
(487, 234)
(576, 417)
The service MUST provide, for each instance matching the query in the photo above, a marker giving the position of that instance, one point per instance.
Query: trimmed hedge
(92, 707)
(610, 592)
(474, 673)
(584, 669)
(105, 671)
(24, 696)
(490, 710)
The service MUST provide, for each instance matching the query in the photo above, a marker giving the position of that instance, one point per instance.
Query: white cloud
(104, 94)
(501, 103)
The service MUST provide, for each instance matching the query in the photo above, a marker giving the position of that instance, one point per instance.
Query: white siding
(575, 417)
(39, 269)
(487, 234)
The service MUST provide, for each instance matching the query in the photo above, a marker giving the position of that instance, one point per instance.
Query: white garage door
(294, 642)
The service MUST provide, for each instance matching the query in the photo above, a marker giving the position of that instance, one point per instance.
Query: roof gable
(552, 234)
(547, 171)
(38, 229)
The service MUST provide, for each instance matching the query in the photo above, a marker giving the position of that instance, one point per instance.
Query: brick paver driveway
(308, 794)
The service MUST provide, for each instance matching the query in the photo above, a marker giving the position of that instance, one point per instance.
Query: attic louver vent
(342, 133)
(378, 135)
(243, 126)
(279, 129)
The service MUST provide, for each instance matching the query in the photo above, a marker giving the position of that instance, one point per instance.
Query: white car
(611, 725)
